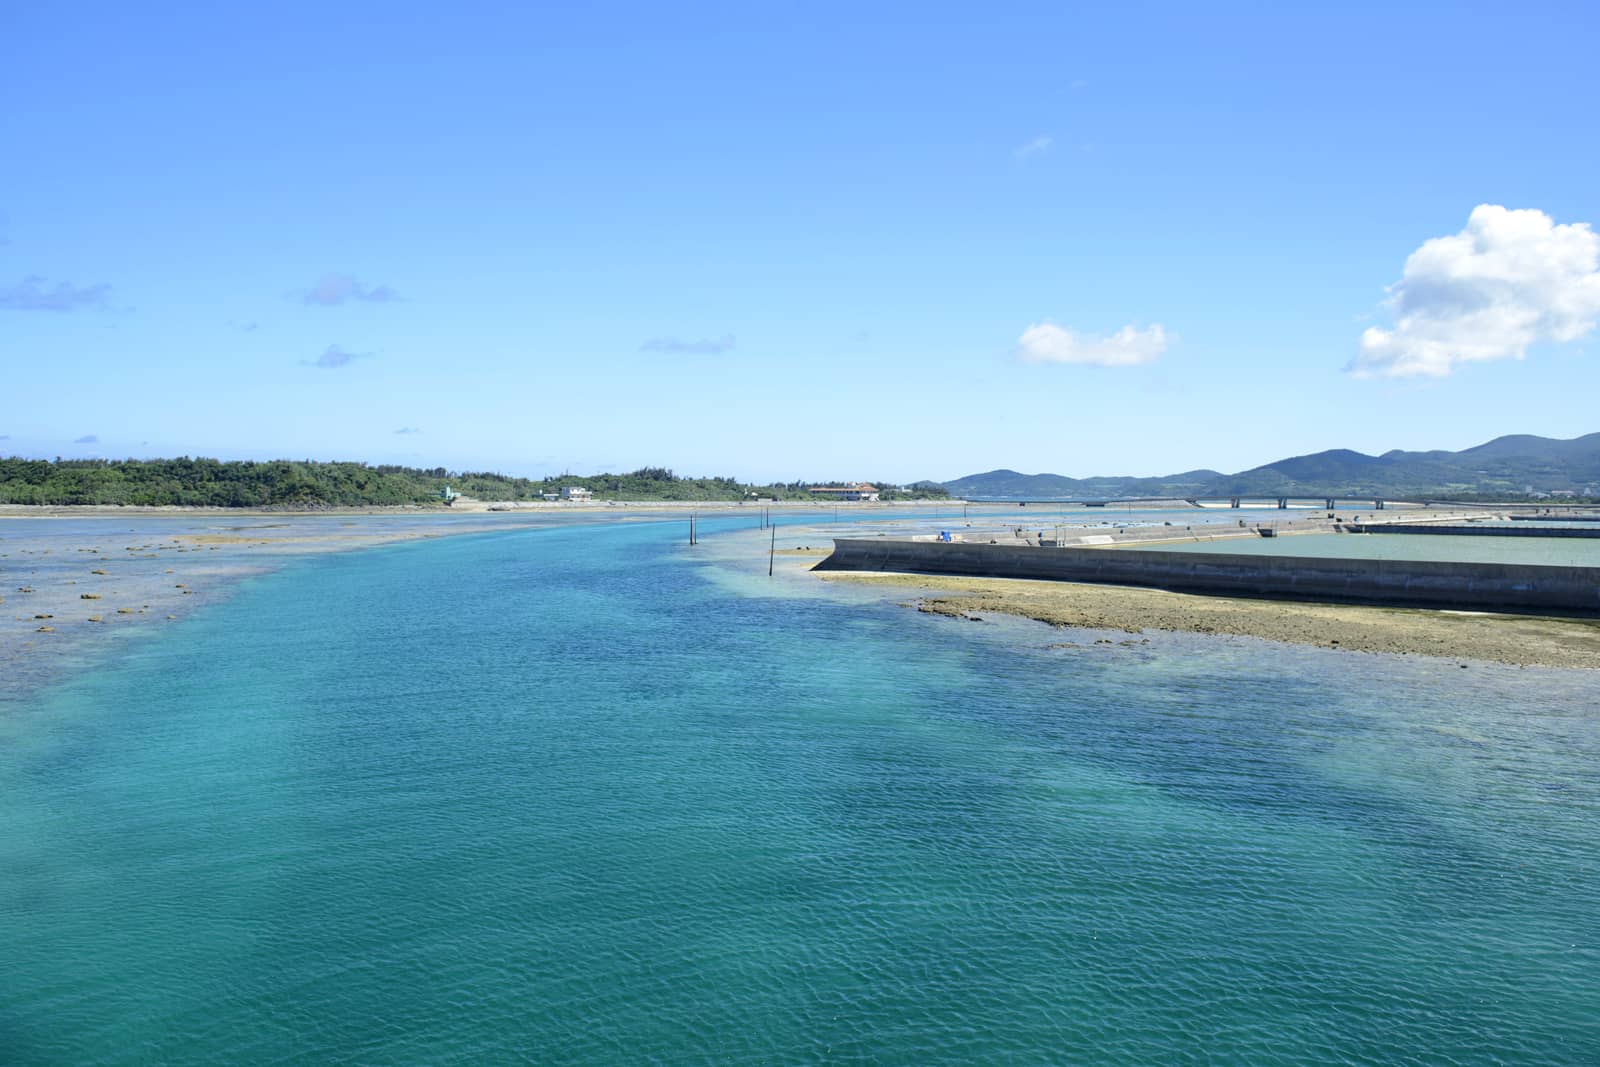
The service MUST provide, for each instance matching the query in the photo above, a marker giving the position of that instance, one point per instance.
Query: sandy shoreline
(1517, 640)
(76, 582)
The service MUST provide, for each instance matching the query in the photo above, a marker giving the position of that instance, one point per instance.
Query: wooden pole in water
(772, 551)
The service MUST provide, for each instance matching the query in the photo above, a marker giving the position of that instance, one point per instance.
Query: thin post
(772, 551)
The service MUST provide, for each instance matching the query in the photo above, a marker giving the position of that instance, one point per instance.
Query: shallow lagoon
(584, 795)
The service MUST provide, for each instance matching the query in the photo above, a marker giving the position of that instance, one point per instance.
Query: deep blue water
(576, 795)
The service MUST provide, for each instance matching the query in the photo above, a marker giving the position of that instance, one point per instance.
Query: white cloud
(334, 357)
(706, 346)
(1045, 342)
(1034, 147)
(334, 289)
(1509, 280)
(33, 294)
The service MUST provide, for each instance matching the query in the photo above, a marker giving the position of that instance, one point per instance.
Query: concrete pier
(1517, 588)
(1474, 530)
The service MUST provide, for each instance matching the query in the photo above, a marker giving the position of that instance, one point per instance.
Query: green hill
(1514, 466)
(1010, 485)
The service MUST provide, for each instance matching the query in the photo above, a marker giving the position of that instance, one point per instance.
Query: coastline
(1444, 635)
(462, 506)
(76, 582)
(1514, 640)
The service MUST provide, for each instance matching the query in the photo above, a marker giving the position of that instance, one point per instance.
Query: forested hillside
(311, 484)
(1511, 467)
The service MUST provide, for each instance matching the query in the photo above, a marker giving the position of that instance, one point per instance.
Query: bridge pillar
(1283, 502)
(1234, 503)
(1377, 505)
(1330, 503)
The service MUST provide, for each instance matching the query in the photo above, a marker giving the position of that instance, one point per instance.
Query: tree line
(201, 482)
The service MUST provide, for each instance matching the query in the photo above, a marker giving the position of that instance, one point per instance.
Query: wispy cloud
(1045, 342)
(334, 289)
(334, 357)
(1509, 280)
(33, 294)
(1038, 144)
(86, 439)
(408, 430)
(707, 346)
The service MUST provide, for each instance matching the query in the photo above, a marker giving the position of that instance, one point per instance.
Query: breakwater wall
(1585, 517)
(1471, 530)
(1469, 586)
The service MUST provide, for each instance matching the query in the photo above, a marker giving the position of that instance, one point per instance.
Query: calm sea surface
(581, 796)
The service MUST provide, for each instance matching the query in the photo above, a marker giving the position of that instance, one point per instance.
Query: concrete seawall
(1469, 586)
(1471, 531)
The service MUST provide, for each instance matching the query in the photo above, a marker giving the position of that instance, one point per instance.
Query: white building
(575, 492)
(855, 491)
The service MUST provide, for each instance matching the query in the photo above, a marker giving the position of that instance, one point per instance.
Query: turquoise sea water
(578, 796)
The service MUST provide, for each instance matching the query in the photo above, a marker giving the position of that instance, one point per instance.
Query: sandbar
(1518, 640)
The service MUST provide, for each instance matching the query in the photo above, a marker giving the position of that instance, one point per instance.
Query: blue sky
(784, 241)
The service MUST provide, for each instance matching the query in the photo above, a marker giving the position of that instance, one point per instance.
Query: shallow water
(580, 795)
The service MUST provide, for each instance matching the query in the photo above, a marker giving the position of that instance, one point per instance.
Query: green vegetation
(311, 484)
(1520, 467)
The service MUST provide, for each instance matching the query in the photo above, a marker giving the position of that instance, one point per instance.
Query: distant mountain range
(1516, 465)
